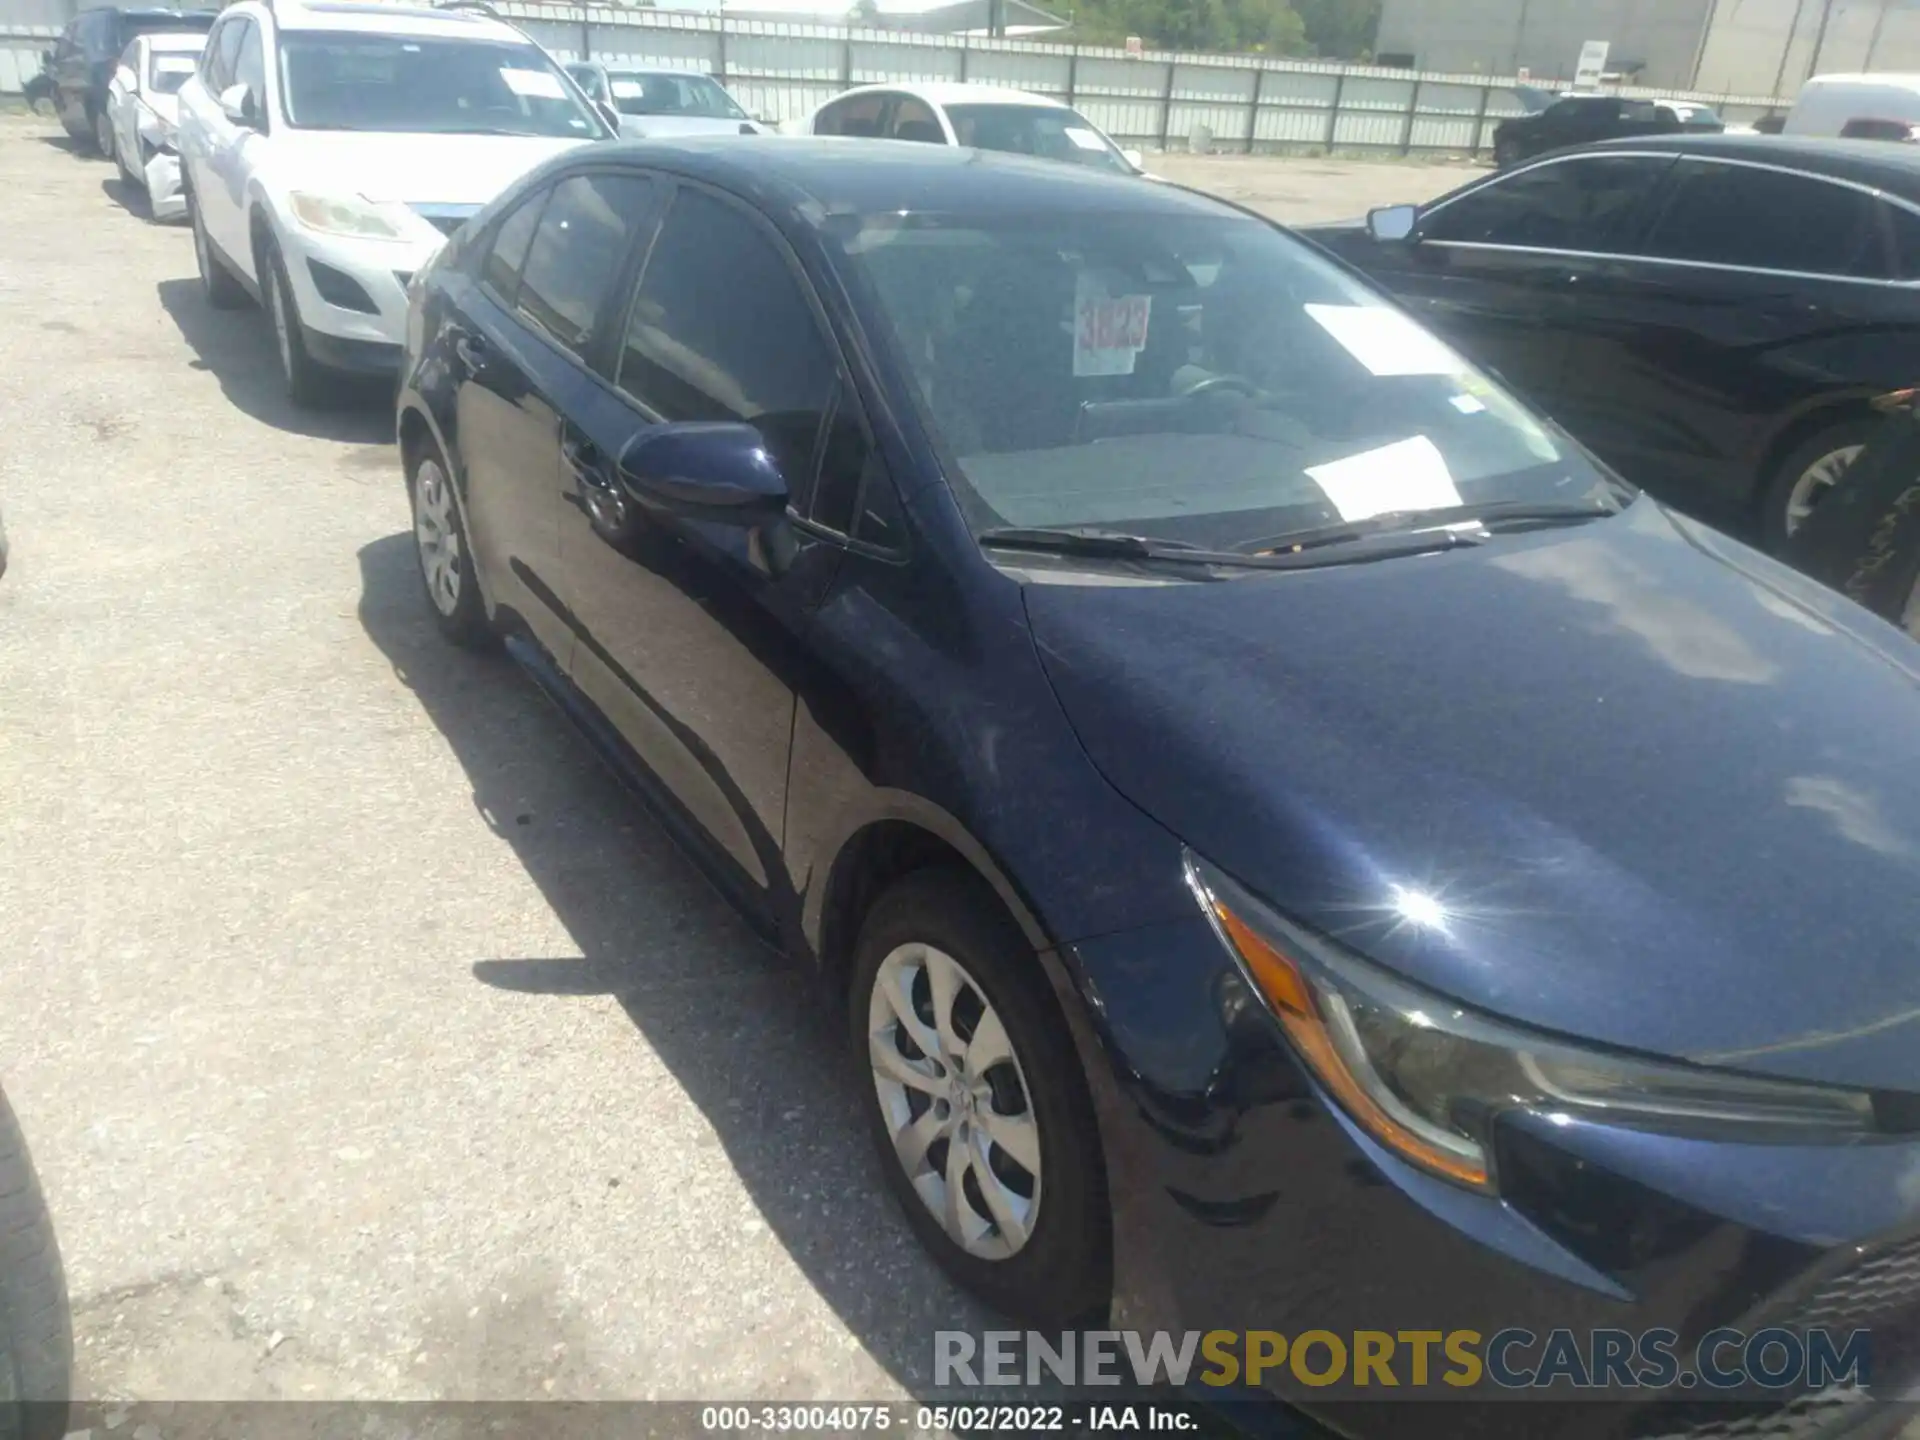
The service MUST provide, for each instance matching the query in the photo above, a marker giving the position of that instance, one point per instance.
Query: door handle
(472, 351)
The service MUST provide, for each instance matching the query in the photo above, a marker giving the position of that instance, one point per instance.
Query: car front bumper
(1243, 1201)
(166, 199)
(352, 295)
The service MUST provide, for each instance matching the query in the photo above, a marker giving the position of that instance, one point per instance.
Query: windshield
(1200, 379)
(1697, 117)
(340, 81)
(693, 96)
(1052, 134)
(167, 71)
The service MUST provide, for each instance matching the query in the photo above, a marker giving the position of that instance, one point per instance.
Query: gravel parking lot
(371, 1044)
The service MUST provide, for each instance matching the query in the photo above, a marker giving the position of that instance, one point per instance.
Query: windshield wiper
(1487, 513)
(1118, 545)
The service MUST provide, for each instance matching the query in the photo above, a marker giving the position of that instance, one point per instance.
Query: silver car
(665, 102)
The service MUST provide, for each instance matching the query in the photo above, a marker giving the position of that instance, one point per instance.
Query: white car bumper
(165, 198)
(352, 294)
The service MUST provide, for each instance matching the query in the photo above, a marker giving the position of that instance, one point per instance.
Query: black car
(1292, 841)
(1713, 315)
(1578, 120)
(82, 63)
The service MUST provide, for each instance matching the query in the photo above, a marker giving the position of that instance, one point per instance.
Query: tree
(1272, 26)
(1340, 29)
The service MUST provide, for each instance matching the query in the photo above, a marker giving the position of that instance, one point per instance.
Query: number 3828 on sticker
(1109, 332)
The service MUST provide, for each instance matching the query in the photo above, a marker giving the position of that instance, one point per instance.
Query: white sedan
(143, 109)
(985, 116)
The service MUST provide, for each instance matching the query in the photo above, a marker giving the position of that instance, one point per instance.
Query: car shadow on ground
(127, 195)
(236, 346)
(744, 1034)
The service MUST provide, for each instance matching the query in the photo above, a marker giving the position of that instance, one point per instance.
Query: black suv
(82, 63)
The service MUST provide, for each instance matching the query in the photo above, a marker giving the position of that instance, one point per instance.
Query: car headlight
(343, 215)
(1427, 1077)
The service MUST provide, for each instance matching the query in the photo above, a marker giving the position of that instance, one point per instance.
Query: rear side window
(722, 331)
(1769, 220)
(859, 116)
(1906, 241)
(1594, 204)
(577, 250)
(511, 240)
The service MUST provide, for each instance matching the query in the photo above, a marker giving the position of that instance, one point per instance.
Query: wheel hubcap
(955, 1101)
(438, 535)
(1814, 483)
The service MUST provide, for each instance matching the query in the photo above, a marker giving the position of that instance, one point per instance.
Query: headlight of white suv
(1427, 1077)
(344, 215)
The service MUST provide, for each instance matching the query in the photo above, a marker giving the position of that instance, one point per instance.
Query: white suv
(329, 149)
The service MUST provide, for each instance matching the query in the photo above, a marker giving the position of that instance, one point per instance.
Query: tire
(308, 382)
(36, 1328)
(1506, 152)
(102, 137)
(219, 284)
(1059, 1272)
(1806, 471)
(446, 559)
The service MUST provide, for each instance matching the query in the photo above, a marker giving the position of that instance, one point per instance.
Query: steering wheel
(1215, 383)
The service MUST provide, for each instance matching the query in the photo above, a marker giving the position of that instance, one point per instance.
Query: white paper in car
(534, 84)
(175, 65)
(1384, 340)
(628, 89)
(1084, 138)
(1406, 475)
(1109, 331)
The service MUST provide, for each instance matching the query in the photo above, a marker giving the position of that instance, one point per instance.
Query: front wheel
(446, 562)
(1803, 479)
(308, 381)
(36, 1328)
(103, 136)
(979, 1109)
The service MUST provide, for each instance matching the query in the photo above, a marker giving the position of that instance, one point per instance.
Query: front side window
(1768, 220)
(1906, 241)
(857, 116)
(250, 65)
(223, 48)
(914, 120)
(1194, 378)
(508, 253)
(1043, 130)
(576, 252)
(338, 80)
(760, 358)
(685, 96)
(1595, 204)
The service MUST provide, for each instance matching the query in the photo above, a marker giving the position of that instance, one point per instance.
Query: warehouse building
(1732, 47)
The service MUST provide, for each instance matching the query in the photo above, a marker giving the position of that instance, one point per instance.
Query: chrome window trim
(1872, 191)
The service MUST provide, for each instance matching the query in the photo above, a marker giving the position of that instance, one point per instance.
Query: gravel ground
(370, 1043)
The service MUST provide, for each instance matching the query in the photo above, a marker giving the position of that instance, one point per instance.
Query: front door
(517, 350)
(689, 631)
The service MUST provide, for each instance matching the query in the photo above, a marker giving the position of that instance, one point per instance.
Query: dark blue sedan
(1298, 844)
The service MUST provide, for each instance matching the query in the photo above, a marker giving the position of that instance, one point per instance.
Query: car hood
(411, 169)
(1667, 792)
(657, 127)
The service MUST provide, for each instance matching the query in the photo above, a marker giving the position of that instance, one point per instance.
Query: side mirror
(701, 470)
(239, 106)
(1134, 158)
(46, 58)
(1393, 224)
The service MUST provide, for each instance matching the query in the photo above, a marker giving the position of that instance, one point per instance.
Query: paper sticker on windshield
(1109, 331)
(1385, 341)
(534, 84)
(1085, 139)
(1406, 475)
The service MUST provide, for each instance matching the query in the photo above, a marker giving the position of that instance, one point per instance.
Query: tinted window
(1906, 240)
(577, 250)
(1587, 204)
(1196, 376)
(509, 250)
(339, 80)
(1740, 215)
(722, 331)
(1049, 132)
(858, 116)
(914, 120)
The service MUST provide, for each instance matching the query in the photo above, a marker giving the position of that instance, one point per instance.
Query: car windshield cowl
(1502, 513)
(1093, 544)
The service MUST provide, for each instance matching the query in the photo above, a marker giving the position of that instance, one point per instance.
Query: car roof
(679, 72)
(808, 178)
(387, 19)
(189, 40)
(1885, 166)
(958, 92)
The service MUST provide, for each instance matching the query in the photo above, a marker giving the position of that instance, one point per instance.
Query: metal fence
(1156, 100)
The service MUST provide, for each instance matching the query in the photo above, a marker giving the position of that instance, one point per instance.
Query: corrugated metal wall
(1155, 100)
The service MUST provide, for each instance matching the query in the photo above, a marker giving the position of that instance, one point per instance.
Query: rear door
(517, 354)
(689, 631)
(1756, 294)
